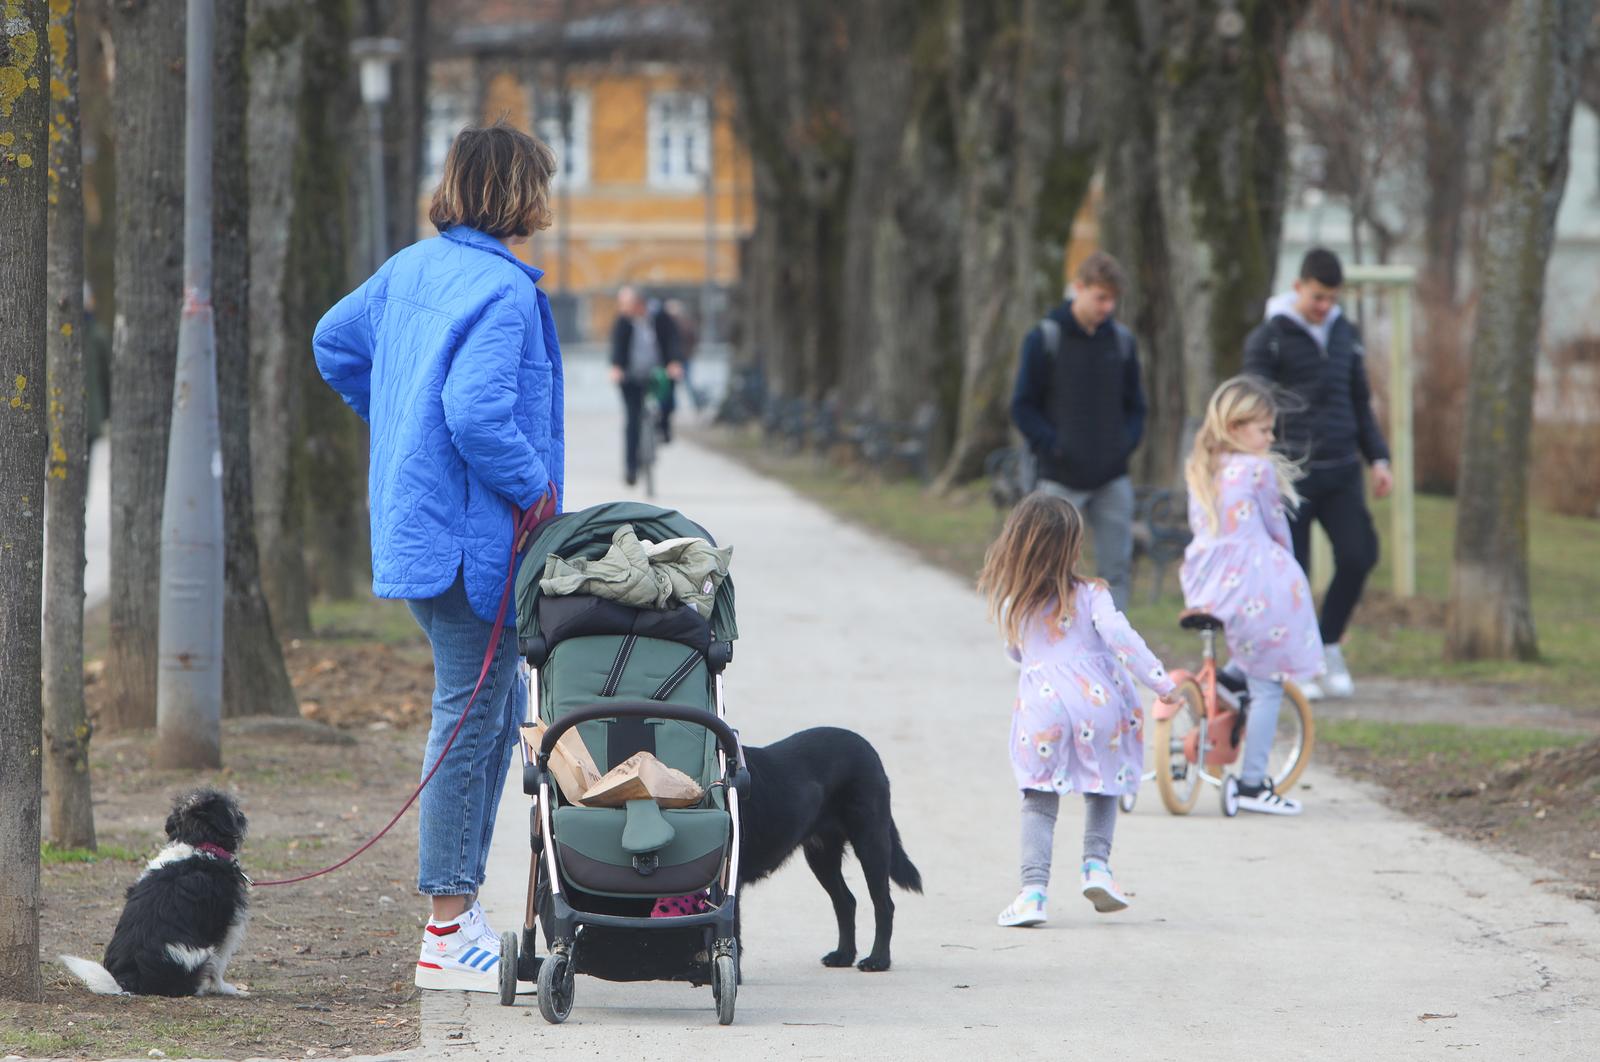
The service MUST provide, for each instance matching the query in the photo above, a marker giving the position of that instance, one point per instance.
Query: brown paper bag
(570, 762)
(643, 777)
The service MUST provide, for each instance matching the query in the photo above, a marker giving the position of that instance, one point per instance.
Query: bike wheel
(1292, 744)
(1177, 779)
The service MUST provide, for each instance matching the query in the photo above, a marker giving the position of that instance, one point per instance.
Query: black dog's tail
(901, 870)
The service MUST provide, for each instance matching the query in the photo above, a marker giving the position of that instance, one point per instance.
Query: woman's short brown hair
(496, 180)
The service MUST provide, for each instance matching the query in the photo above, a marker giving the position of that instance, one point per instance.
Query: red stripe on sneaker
(429, 965)
(443, 931)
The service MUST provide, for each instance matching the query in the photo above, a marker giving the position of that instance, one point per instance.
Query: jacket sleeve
(342, 344)
(1369, 437)
(1114, 628)
(1134, 407)
(1028, 397)
(480, 398)
(1258, 359)
(621, 333)
(668, 339)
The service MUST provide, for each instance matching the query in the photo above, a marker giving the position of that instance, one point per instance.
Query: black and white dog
(817, 791)
(185, 916)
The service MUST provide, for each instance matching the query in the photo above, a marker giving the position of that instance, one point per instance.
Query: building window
(572, 157)
(680, 139)
(448, 113)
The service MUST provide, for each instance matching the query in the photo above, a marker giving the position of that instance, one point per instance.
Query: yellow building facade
(654, 188)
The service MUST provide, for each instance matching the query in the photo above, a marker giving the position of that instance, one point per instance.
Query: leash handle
(526, 524)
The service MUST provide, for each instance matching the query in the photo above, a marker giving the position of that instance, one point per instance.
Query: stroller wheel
(508, 969)
(725, 986)
(555, 988)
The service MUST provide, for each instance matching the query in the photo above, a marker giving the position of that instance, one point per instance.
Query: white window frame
(678, 131)
(572, 160)
(448, 112)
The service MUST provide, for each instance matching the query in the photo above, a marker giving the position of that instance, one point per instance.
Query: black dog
(819, 790)
(185, 916)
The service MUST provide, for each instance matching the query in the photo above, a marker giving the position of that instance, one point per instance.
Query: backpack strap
(1050, 334)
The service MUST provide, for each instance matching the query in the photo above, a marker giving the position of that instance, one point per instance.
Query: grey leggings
(1039, 829)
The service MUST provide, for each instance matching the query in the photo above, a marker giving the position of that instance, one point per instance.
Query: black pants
(1336, 498)
(633, 404)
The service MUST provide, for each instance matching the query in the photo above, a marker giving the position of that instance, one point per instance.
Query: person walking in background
(1239, 568)
(449, 351)
(642, 342)
(688, 343)
(1310, 350)
(1077, 725)
(1079, 403)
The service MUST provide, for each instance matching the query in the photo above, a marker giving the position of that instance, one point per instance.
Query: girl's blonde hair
(1236, 402)
(1032, 566)
(496, 180)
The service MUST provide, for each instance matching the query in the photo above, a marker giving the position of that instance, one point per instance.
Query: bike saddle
(1200, 621)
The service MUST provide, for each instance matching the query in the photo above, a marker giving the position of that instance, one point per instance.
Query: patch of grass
(39, 1044)
(1564, 575)
(365, 619)
(1435, 742)
(50, 854)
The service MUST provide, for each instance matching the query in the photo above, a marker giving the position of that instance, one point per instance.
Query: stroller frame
(565, 925)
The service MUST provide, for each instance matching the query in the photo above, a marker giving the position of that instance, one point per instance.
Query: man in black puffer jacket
(1313, 352)
(1079, 403)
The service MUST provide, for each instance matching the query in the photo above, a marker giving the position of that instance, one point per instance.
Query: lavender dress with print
(1245, 574)
(1079, 724)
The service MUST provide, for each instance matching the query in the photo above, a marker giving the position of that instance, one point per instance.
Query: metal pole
(189, 675)
(1403, 512)
(380, 213)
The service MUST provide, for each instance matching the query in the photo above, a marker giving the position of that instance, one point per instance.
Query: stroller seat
(590, 849)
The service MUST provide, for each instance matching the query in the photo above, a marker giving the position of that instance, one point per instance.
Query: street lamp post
(375, 54)
(189, 672)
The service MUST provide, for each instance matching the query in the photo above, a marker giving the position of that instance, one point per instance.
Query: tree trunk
(1490, 613)
(148, 105)
(66, 726)
(24, 157)
(254, 679)
(1222, 154)
(409, 115)
(1133, 229)
(1011, 89)
(276, 63)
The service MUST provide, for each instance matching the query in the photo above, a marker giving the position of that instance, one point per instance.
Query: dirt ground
(328, 962)
(1545, 807)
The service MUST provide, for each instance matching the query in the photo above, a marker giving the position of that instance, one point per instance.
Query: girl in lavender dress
(1077, 725)
(1240, 567)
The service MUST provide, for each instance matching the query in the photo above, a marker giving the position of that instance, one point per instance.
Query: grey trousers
(1108, 511)
(1039, 810)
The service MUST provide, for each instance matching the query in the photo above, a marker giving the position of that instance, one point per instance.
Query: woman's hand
(675, 370)
(616, 374)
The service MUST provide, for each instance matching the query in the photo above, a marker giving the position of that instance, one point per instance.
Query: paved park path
(1352, 933)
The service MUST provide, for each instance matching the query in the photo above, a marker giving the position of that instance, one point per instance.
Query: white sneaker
(461, 956)
(1101, 889)
(1026, 910)
(1311, 689)
(1266, 801)
(1336, 682)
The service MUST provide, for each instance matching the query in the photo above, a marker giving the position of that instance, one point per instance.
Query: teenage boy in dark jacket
(1079, 403)
(1313, 352)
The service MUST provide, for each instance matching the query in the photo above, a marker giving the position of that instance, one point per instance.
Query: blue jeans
(456, 811)
(1260, 729)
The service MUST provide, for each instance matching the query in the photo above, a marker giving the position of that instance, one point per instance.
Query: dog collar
(215, 851)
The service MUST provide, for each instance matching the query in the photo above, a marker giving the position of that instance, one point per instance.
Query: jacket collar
(484, 242)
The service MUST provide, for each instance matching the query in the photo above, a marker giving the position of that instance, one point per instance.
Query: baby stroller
(629, 680)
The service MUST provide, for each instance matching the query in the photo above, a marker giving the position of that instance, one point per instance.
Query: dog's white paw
(225, 989)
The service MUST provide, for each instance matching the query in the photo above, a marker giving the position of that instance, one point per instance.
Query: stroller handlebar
(646, 710)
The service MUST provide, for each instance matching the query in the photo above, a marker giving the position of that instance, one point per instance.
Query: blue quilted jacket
(449, 351)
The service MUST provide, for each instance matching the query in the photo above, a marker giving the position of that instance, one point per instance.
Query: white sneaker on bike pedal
(1101, 889)
(1264, 800)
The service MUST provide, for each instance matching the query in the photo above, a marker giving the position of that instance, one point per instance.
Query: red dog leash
(526, 523)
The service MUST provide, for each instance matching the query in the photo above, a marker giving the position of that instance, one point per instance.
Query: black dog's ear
(172, 823)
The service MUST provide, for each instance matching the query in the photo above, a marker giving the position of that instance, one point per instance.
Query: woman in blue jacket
(449, 351)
